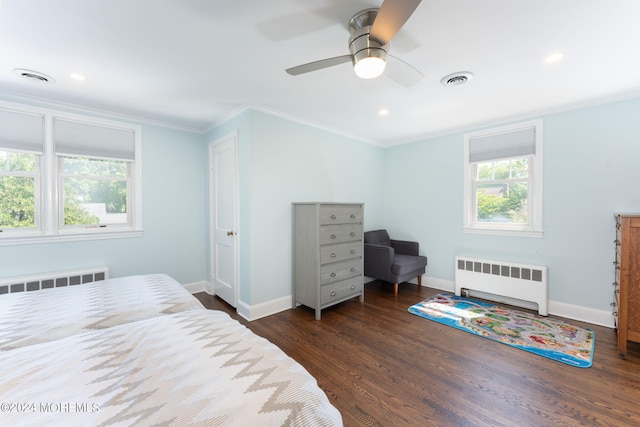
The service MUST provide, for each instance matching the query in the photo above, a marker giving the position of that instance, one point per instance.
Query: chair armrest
(378, 260)
(406, 247)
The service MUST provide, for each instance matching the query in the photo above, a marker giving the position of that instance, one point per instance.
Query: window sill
(67, 237)
(503, 232)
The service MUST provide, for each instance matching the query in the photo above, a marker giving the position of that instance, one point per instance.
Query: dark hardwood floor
(381, 366)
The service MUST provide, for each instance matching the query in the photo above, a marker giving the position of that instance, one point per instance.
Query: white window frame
(36, 174)
(61, 177)
(534, 226)
(49, 196)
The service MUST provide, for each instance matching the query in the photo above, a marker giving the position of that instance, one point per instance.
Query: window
(94, 192)
(21, 147)
(67, 177)
(503, 180)
(19, 184)
(94, 172)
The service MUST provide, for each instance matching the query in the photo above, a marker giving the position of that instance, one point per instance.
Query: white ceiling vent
(34, 76)
(456, 79)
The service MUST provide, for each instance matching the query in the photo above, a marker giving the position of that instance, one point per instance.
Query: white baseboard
(196, 287)
(443, 285)
(245, 310)
(561, 309)
(582, 314)
(258, 311)
(254, 312)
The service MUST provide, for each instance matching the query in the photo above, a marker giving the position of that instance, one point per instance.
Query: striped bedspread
(194, 368)
(28, 318)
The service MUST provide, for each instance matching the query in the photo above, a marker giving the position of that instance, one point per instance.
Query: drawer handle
(333, 274)
(353, 234)
(352, 287)
(353, 269)
(353, 216)
(333, 293)
(333, 217)
(333, 236)
(353, 251)
(333, 255)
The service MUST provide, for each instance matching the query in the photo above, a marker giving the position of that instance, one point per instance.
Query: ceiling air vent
(456, 79)
(34, 76)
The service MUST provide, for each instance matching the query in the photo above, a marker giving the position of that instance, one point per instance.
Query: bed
(191, 367)
(28, 318)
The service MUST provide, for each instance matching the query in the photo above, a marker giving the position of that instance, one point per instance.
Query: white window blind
(518, 143)
(21, 131)
(89, 140)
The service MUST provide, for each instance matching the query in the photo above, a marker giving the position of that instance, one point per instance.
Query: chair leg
(395, 289)
(419, 281)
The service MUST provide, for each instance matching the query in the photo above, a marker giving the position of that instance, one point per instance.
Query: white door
(224, 221)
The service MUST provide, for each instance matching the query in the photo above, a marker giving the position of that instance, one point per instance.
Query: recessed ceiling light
(383, 112)
(554, 57)
(34, 76)
(77, 76)
(456, 79)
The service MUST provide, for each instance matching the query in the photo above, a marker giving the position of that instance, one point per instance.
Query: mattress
(28, 318)
(197, 367)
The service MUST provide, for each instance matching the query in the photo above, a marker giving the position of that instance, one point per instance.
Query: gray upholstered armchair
(393, 261)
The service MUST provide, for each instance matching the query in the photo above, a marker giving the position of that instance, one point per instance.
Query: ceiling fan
(371, 30)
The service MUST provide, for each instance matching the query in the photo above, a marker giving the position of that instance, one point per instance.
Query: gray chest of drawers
(327, 254)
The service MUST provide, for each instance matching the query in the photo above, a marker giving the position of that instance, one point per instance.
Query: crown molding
(83, 109)
(291, 118)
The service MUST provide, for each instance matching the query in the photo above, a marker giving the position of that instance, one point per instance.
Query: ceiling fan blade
(318, 65)
(402, 72)
(391, 17)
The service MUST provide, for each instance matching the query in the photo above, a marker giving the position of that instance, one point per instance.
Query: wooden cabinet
(627, 280)
(328, 254)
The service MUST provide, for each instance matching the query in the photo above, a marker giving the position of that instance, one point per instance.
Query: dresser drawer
(340, 215)
(340, 290)
(328, 254)
(340, 233)
(338, 271)
(340, 252)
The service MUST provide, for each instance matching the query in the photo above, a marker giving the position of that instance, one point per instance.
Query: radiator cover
(525, 282)
(56, 279)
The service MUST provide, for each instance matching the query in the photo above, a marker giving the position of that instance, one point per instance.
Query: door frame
(233, 137)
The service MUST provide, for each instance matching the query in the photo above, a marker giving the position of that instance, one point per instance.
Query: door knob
(230, 233)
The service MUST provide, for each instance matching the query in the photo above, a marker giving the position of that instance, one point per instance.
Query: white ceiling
(192, 63)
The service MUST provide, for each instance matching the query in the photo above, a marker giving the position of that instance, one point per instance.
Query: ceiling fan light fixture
(369, 67)
(370, 34)
(369, 56)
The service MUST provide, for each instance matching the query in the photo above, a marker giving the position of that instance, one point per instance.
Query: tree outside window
(502, 191)
(17, 190)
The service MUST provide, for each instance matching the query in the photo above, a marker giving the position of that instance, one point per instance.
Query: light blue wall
(424, 199)
(591, 170)
(174, 217)
(282, 162)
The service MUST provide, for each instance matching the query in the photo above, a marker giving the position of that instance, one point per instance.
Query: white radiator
(517, 282)
(56, 279)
